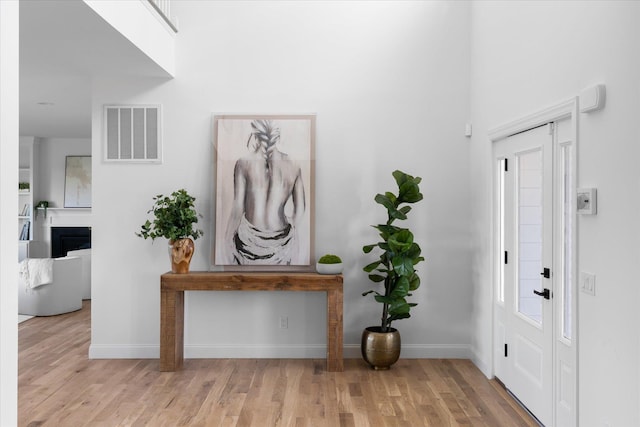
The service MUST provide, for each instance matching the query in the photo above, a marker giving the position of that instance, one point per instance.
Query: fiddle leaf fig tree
(395, 267)
(175, 217)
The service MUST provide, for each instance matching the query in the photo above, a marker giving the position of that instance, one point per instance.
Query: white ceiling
(63, 45)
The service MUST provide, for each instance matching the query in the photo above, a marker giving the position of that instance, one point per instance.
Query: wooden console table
(172, 287)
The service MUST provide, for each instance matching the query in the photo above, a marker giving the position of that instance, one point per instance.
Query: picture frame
(77, 182)
(264, 199)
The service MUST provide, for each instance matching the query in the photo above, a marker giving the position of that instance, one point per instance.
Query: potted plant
(42, 204)
(395, 270)
(174, 220)
(329, 264)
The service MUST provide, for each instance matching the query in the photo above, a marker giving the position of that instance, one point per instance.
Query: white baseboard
(233, 351)
(114, 351)
(481, 364)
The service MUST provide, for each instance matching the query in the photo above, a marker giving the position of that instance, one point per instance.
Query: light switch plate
(588, 283)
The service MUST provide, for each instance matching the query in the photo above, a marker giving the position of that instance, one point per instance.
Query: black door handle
(546, 293)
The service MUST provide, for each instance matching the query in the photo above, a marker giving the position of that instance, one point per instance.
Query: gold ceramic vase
(181, 251)
(380, 349)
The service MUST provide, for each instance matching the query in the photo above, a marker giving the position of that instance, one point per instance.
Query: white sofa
(63, 295)
(85, 257)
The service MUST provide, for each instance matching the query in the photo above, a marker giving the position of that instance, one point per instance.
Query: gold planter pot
(380, 349)
(181, 252)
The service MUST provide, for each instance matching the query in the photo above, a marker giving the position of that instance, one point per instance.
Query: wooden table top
(250, 281)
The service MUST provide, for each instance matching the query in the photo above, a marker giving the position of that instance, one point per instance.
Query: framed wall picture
(77, 182)
(264, 191)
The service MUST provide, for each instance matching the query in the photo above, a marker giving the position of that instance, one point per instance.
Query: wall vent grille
(132, 133)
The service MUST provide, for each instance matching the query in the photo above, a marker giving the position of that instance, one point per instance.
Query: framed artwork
(264, 191)
(77, 182)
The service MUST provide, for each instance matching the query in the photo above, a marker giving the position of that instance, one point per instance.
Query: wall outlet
(284, 322)
(588, 283)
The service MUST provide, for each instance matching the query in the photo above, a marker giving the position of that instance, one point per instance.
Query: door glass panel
(567, 251)
(529, 234)
(502, 165)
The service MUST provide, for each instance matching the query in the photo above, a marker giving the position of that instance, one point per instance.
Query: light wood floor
(59, 386)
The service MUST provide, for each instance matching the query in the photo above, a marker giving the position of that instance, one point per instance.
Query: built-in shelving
(25, 197)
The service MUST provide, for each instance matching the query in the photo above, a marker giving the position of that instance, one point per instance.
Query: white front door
(524, 309)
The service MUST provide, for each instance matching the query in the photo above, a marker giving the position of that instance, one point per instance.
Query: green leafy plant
(175, 217)
(395, 268)
(24, 186)
(329, 259)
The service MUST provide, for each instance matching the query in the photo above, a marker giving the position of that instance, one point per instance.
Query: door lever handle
(546, 293)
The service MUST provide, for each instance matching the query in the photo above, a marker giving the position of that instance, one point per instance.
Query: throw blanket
(34, 272)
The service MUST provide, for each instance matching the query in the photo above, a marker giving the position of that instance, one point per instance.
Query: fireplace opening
(65, 239)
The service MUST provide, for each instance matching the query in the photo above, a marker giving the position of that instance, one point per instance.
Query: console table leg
(171, 330)
(335, 361)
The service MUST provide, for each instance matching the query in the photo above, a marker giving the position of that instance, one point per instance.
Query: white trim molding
(556, 112)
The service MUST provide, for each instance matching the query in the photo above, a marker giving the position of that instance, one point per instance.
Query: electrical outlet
(284, 322)
(588, 283)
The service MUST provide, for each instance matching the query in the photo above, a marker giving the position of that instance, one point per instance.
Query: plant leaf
(401, 288)
(405, 209)
(403, 266)
(398, 317)
(399, 306)
(376, 278)
(368, 248)
(370, 267)
(410, 192)
(383, 299)
(384, 201)
(414, 282)
(397, 214)
(400, 177)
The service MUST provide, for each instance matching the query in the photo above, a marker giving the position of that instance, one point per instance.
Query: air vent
(132, 133)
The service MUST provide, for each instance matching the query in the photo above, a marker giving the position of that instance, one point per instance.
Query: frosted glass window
(567, 252)
(529, 237)
(502, 165)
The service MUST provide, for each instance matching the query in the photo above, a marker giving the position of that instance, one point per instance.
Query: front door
(524, 309)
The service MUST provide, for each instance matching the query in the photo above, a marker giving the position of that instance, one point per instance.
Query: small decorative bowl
(329, 268)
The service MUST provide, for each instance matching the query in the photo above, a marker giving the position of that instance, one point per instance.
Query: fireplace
(65, 239)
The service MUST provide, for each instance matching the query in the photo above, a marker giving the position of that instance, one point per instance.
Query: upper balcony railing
(163, 7)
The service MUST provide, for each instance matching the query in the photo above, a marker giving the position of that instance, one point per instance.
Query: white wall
(9, 97)
(51, 163)
(143, 26)
(389, 82)
(529, 55)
